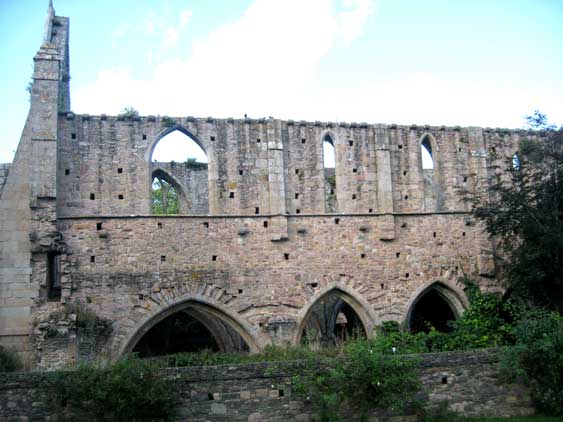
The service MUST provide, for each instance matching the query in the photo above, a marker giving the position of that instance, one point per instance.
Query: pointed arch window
(329, 169)
(426, 154)
(180, 179)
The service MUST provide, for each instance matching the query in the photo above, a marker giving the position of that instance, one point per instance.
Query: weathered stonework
(260, 239)
(468, 381)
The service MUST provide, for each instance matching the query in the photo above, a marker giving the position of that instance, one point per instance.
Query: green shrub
(537, 359)
(9, 361)
(362, 377)
(130, 389)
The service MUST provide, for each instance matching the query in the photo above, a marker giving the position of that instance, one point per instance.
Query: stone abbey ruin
(269, 246)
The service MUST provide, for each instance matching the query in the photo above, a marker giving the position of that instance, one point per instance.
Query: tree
(164, 197)
(522, 211)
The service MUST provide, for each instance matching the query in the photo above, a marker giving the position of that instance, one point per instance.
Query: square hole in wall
(296, 196)
(241, 172)
(463, 234)
(67, 172)
(336, 220)
(354, 196)
(120, 196)
(370, 210)
(398, 254)
(459, 150)
(400, 146)
(256, 210)
(314, 285)
(239, 291)
(214, 257)
(303, 140)
(404, 173)
(297, 211)
(407, 275)
(144, 137)
(99, 226)
(265, 223)
(351, 143)
(406, 197)
(257, 140)
(212, 138)
(206, 224)
(73, 135)
(119, 170)
(231, 194)
(444, 380)
(493, 149)
(354, 170)
(92, 258)
(382, 286)
(286, 256)
(141, 296)
(162, 258)
(332, 191)
(296, 171)
(159, 225)
(281, 393)
(363, 255)
(464, 179)
(434, 234)
(92, 196)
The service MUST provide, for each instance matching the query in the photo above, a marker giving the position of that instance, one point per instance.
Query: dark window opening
(144, 137)
(297, 211)
(162, 258)
(382, 286)
(353, 196)
(398, 254)
(214, 258)
(92, 196)
(296, 171)
(426, 153)
(407, 275)
(231, 194)
(296, 196)
(354, 170)
(265, 224)
(53, 275)
(258, 140)
(404, 173)
(120, 170)
(92, 258)
(336, 220)
(444, 380)
(257, 210)
(240, 172)
(239, 291)
(400, 146)
(99, 226)
(362, 255)
(431, 310)
(210, 396)
(73, 135)
(67, 172)
(406, 197)
(370, 210)
(120, 196)
(212, 138)
(303, 140)
(206, 224)
(281, 393)
(351, 143)
(159, 225)
(286, 256)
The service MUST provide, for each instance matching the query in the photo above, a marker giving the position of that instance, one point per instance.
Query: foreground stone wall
(468, 381)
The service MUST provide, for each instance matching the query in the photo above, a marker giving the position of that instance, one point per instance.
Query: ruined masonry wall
(4, 169)
(468, 381)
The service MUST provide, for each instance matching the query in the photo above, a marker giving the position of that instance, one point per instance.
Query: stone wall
(4, 169)
(468, 381)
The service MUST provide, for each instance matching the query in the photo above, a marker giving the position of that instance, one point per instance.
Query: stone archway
(226, 328)
(434, 304)
(328, 307)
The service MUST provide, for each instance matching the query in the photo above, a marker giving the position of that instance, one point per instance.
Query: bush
(9, 361)
(362, 377)
(131, 389)
(537, 359)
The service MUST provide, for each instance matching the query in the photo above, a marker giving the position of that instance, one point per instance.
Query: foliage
(9, 361)
(168, 121)
(164, 198)
(537, 359)
(128, 113)
(131, 389)
(193, 164)
(84, 318)
(487, 322)
(362, 377)
(441, 413)
(523, 210)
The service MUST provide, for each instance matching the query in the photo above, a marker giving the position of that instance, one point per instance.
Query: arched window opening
(331, 321)
(185, 189)
(329, 165)
(431, 310)
(426, 153)
(189, 330)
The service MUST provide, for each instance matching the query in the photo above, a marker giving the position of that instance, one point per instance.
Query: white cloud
(185, 18)
(262, 64)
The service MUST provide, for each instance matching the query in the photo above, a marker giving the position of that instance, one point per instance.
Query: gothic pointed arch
(334, 313)
(329, 172)
(434, 305)
(431, 174)
(179, 173)
(218, 328)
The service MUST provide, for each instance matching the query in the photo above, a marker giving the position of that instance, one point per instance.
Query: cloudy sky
(470, 63)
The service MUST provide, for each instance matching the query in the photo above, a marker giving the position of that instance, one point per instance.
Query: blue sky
(469, 63)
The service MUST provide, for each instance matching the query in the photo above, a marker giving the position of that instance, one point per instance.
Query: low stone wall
(469, 381)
